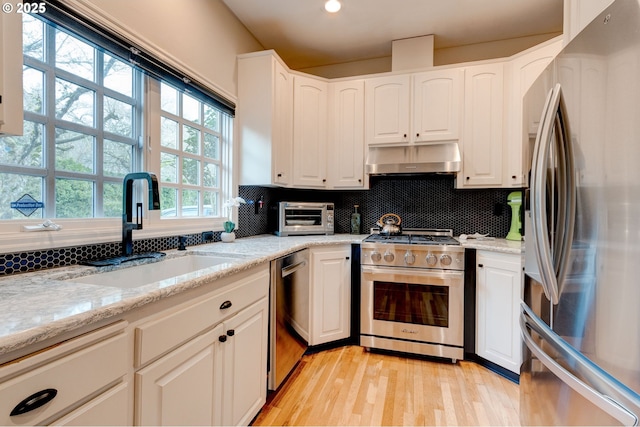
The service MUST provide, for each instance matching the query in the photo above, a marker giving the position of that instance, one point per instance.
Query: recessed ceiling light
(332, 6)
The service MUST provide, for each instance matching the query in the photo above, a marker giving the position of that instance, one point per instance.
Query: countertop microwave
(305, 218)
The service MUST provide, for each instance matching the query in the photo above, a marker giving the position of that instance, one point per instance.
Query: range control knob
(389, 256)
(431, 259)
(445, 259)
(375, 256)
(409, 258)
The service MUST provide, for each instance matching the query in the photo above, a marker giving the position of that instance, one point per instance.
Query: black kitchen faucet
(127, 203)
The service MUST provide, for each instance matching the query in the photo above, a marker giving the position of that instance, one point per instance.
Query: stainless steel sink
(165, 272)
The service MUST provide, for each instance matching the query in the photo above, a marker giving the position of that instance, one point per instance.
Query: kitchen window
(82, 126)
(95, 109)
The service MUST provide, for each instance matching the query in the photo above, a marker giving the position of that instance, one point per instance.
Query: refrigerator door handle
(540, 226)
(528, 320)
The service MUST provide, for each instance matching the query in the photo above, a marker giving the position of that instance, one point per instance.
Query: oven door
(412, 304)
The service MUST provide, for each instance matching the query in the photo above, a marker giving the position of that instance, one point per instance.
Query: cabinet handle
(34, 401)
(222, 338)
(346, 258)
(231, 332)
(225, 305)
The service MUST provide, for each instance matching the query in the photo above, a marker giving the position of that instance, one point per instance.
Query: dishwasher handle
(290, 269)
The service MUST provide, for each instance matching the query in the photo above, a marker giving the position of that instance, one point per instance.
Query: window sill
(97, 231)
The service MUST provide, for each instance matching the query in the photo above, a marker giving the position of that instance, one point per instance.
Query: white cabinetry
(11, 104)
(499, 288)
(264, 115)
(346, 140)
(481, 144)
(330, 294)
(208, 359)
(309, 132)
(523, 69)
(422, 107)
(437, 105)
(387, 109)
(82, 381)
(579, 13)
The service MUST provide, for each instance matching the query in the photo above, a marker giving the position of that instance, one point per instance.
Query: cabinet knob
(513, 177)
(225, 305)
(231, 332)
(417, 135)
(347, 258)
(34, 401)
(279, 175)
(324, 180)
(480, 265)
(405, 135)
(222, 338)
(468, 178)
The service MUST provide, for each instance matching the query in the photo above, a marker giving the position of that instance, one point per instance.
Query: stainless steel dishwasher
(289, 325)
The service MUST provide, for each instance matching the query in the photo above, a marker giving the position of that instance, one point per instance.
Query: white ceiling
(304, 35)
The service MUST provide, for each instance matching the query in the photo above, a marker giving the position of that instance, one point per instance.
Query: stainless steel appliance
(412, 293)
(305, 218)
(580, 319)
(289, 325)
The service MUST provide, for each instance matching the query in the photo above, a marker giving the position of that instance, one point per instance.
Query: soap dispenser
(355, 220)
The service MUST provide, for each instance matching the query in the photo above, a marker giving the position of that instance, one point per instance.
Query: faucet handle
(182, 241)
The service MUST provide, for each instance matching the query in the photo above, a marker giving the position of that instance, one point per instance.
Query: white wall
(202, 35)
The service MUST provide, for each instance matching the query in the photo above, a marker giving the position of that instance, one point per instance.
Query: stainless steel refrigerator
(580, 318)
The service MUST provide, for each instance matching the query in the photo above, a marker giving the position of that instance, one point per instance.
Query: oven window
(410, 303)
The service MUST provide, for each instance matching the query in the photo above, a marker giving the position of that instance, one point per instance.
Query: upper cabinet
(264, 115)
(346, 134)
(387, 109)
(11, 104)
(437, 105)
(481, 144)
(290, 126)
(416, 108)
(523, 69)
(309, 132)
(579, 13)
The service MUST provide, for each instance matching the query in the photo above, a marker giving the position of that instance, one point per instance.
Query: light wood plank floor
(350, 386)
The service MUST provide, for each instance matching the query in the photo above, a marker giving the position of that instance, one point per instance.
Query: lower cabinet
(330, 294)
(218, 378)
(81, 381)
(499, 288)
(216, 374)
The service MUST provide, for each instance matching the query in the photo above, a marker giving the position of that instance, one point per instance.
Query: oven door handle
(414, 272)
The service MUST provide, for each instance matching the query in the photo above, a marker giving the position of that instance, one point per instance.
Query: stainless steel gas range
(412, 297)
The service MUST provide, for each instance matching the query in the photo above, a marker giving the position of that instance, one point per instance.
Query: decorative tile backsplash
(429, 201)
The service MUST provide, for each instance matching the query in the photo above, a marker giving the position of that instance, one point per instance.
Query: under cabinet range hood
(438, 157)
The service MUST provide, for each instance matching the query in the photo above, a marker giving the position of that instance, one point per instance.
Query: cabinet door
(330, 294)
(498, 295)
(437, 105)
(282, 126)
(184, 387)
(309, 132)
(245, 364)
(11, 103)
(387, 109)
(483, 122)
(346, 143)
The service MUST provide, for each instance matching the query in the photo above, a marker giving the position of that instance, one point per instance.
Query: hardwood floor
(350, 386)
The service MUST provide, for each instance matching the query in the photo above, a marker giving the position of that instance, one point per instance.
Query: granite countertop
(41, 305)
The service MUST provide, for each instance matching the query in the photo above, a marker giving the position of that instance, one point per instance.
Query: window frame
(79, 231)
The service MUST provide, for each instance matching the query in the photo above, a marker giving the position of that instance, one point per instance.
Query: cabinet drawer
(173, 328)
(74, 377)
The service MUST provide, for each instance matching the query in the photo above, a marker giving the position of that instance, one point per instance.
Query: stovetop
(415, 237)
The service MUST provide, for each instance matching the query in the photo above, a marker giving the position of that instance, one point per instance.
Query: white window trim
(87, 231)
